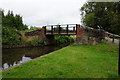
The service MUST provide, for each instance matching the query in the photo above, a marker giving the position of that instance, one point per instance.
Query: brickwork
(80, 31)
(43, 32)
(80, 34)
(87, 35)
(33, 33)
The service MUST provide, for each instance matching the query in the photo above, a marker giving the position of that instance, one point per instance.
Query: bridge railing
(66, 29)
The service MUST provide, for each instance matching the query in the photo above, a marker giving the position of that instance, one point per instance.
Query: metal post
(67, 29)
(73, 28)
(59, 29)
(119, 58)
(45, 30)
(113, 38)
(76, 28)
(52, 29)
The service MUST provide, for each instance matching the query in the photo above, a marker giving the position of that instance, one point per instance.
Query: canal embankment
(17, 54)
(78, 61)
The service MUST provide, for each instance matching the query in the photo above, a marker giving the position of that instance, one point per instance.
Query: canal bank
(15, 56)
(82, 61)
(30, 57)
(20, 46)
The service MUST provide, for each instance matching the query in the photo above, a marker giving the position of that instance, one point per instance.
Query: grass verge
(83, 61)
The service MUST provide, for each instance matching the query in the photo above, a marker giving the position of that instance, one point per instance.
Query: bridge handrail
(112, 34)
(60, 25)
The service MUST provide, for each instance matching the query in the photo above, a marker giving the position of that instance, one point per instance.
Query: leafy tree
(12, 25)
(18, 22)
(102, 15)
(13, 21)
(10, 36)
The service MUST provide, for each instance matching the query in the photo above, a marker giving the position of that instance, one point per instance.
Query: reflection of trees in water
(11, 57)
(37, 52)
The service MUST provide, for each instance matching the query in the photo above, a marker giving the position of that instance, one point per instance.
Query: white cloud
(43, 12)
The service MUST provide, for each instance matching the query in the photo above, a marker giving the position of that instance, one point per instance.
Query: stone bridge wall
(87, 35)
(38, 33)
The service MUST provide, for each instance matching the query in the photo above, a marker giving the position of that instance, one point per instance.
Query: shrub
(35, 42)
(63, 39)
(10, 36)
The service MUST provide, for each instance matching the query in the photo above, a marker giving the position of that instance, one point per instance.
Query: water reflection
(12, 57)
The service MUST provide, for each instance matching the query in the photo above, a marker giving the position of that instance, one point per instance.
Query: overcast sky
(45, 12)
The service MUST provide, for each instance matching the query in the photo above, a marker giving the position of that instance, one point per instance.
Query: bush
(35, 42)
(63, 39)
(10, 36)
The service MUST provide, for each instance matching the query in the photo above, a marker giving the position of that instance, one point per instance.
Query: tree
(103, 15)
(9, 20)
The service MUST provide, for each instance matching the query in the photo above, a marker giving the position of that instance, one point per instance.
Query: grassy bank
(84, 61)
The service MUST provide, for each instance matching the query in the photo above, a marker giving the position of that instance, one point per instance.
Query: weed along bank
(24, 54)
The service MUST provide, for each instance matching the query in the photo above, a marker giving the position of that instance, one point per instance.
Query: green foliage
(34, 28)
(35, 42)
(12, 25)
(13, 21)
(105, 15)
(90, 19)
(10, 36)
(63, 39)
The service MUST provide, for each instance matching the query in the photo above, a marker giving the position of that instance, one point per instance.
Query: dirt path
(110, 40)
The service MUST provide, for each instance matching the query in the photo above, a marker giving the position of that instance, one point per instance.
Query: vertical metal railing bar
(76, 29)
(113, 38)
(45, 30)
(51, 29)
(67, 28)
(59, 30)
(119, 58)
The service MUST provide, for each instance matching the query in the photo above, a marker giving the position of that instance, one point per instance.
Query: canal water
(12, 57)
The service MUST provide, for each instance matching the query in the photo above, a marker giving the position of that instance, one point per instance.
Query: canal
(13, 57)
